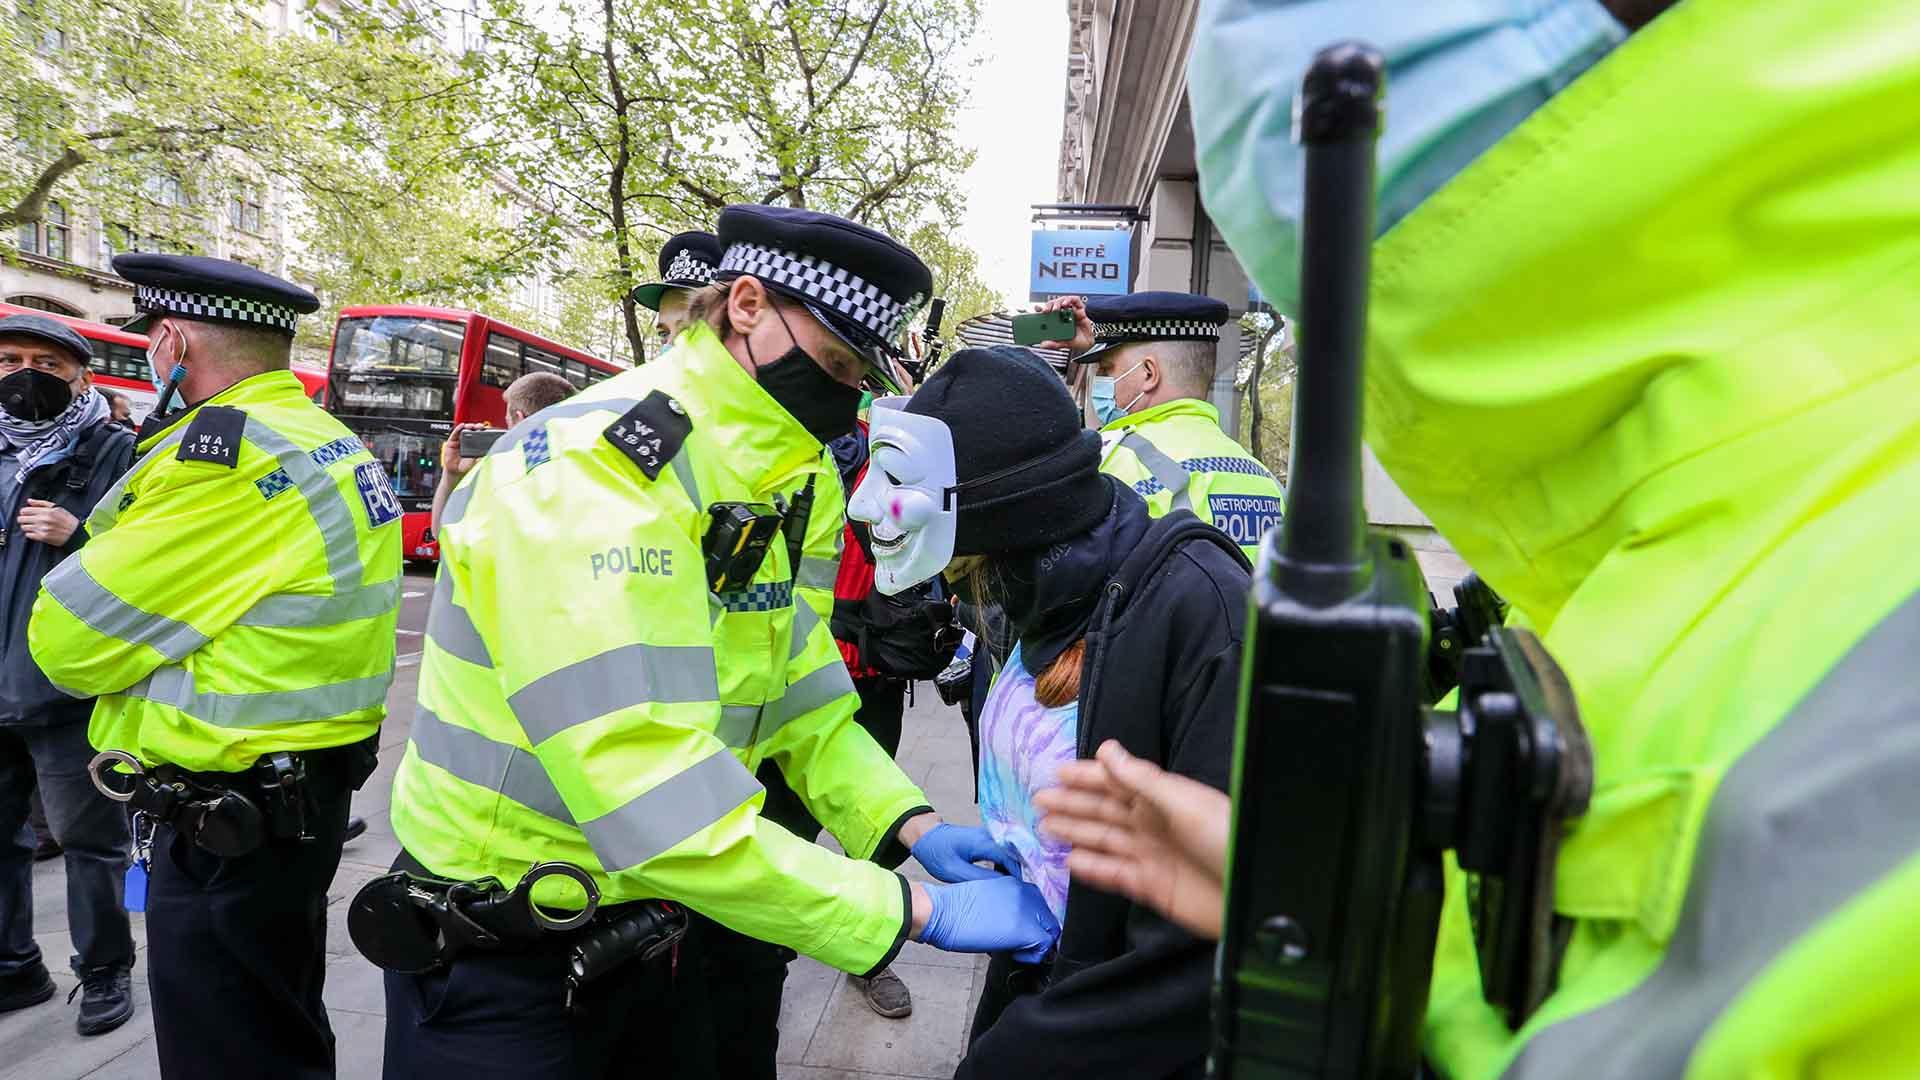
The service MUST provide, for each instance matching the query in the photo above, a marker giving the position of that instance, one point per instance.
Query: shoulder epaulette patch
(651, 432)
(214, 436)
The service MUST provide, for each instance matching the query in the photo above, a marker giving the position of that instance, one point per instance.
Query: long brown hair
(1060, 682)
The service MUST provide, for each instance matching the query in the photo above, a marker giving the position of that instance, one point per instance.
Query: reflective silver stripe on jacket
(108, 615)
(616, 679)
(456, 507)
(737, 725)
(496, 766)
(670, 811)
(1164, 469)
(451, 628)
(822, 686)
(1815, 813)
(804, 620)
(816, 573)
(307, 609)
(173, 685)
(683, 468)
(325, 504)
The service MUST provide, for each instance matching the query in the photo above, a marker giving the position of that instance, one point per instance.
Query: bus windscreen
(396, 366)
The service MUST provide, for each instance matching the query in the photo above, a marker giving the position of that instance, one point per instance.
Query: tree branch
(33, 205)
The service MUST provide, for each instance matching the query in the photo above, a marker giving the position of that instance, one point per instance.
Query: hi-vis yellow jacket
(238, 590)
(1177, 457)
(1650, 363)
(585, 697)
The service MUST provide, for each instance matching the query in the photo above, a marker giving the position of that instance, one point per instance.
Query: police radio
(1347, 789)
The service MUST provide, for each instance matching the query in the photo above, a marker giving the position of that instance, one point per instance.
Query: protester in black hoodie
(1124, 628)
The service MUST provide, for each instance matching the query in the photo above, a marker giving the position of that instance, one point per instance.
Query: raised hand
(1152, 836)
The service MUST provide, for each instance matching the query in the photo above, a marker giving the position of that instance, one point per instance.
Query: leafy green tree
(642, 118)
(1266, 381)
(155, 114)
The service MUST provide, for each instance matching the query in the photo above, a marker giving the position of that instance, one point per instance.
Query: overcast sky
(1014, 121)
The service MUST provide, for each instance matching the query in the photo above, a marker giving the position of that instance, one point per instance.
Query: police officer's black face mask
(36, 396)
(823, 405)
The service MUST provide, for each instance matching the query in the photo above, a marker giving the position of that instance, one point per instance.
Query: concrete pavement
(826, 1030)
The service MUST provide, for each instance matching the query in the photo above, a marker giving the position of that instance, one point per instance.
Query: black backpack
(909, 636)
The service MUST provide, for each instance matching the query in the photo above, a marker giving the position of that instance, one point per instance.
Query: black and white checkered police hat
(686, 262)
(861, 284)
(210, 290)
(1152, 316)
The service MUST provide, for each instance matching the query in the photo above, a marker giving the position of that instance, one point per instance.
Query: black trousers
(236, 947)
(506, 1015)
(91, 828)
(1007, 980)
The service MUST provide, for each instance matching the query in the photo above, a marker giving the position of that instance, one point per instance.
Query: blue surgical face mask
(160, 374)
(1104, 405)
(1459, 76)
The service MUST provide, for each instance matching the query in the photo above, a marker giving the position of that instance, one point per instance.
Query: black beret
(862, 284)
(1152, 316)
(210, 290)
(49, 330)
(686, 262)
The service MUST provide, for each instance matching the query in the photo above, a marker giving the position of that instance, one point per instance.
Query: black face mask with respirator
(822, 404)
(35, 396)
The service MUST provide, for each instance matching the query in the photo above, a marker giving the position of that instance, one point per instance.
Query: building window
(243, 213)
(119, 239)
(41, 303)
(50, 236)
(165, 189)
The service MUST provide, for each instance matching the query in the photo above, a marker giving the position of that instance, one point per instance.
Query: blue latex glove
(949, 852)
(1001, 914)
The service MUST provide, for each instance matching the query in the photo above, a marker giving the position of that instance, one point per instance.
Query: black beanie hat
(1028, 470)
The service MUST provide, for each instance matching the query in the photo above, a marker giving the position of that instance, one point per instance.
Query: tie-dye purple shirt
(1022, 745)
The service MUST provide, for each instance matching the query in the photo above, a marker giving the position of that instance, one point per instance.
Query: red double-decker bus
(401, 376)
(120, 360)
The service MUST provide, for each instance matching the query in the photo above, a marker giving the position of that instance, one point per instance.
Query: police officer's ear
(1152, 372)
(748, 305)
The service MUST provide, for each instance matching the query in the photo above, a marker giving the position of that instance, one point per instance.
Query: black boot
(28, 986)
(355, 826)
(106, 999)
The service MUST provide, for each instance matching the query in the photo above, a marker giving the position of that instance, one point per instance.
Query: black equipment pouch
(229, 824)
(410, 923)
(391, 922)
(218, 819)
(283, 781)
(738, 534)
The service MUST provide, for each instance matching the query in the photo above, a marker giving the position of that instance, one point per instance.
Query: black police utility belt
(411, 922)
(228, 814)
